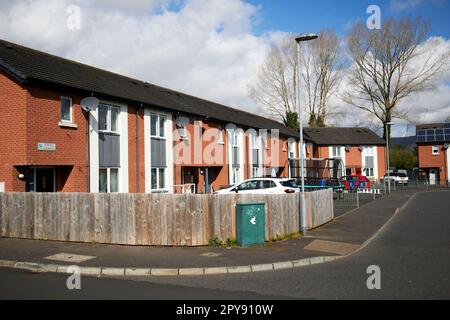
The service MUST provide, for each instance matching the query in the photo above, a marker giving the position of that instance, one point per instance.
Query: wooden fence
(149, 219)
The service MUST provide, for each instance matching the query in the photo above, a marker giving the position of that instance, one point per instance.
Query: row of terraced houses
(145, 138)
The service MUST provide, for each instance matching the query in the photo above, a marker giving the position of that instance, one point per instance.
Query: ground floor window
(256, 172)
(109, 180)
(158, 178)
(368, 172)
(235, 176)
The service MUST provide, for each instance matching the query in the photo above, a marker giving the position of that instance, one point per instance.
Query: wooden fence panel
(150, 219)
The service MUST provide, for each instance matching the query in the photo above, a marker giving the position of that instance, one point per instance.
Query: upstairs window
(157, 125)
(435, 150)
(66, 109)
(337, 152)
(108, 118)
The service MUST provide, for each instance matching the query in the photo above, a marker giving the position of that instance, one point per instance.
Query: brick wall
(13, 138)
(43, 118)
(132, 150)
(428, 160)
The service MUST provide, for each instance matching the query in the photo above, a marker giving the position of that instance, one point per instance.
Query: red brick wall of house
(353, 159)
(220, 167)
(43, 117)
(428, 160)
(132, 150)
(381, 161)
(13, 138)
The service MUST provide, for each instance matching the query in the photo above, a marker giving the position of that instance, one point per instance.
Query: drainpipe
(88, 153)
(137, 149)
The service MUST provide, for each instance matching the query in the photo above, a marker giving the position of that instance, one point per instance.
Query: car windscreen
(402, 175)
(289, 184)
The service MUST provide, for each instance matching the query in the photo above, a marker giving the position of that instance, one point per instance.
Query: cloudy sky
(209, 48)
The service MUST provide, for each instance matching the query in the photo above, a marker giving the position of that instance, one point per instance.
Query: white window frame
(256, 171)
(108, 178)
(108, 118)
(337, 154)
(369, 151)
(435, 150)
(158, 181)
(220, 135)
(158, 126)
(235, 177)
(60, 110)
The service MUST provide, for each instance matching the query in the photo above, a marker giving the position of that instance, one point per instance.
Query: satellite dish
(89, 103)
(446, 146)
(182, 122)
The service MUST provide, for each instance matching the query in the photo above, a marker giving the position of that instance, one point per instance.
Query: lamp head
(306, 37)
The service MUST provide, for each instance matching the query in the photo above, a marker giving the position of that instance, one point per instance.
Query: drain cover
(69, 257)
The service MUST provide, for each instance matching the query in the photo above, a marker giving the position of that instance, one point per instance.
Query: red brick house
(360, 149)
(140, 138)
(433, 141)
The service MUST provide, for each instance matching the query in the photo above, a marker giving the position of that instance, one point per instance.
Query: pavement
(339, 238)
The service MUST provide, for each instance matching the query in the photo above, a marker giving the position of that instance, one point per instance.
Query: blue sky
(311, 16)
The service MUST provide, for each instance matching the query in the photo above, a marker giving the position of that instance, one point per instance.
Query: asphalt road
(412, 251)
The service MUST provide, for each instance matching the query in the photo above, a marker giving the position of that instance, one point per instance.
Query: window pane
(235, 139)
(220, 135)
(154, 182)
(66, 109)
(103, 117)
(153, 124)
(114, 119)
(162, 121)
(161, 179)
(103, 180)
(113, 180)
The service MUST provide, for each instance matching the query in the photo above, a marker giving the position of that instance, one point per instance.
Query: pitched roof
(29, 65)
(343, 136)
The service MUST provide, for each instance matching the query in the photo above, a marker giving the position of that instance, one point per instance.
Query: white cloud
(204, 47)
(408, 5)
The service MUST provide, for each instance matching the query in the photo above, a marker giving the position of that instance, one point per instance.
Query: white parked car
(262, 186)
(398, 178)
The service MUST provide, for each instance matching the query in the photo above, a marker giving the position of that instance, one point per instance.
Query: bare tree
(275, 90)
(391, 64)
(321, 72)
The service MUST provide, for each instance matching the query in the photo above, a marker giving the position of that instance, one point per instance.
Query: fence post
(357, 198)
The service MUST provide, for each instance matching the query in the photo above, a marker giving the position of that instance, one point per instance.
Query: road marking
(331, 247)
(210, 255)
(69, 257)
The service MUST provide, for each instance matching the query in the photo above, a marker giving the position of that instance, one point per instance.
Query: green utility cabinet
(250, 224)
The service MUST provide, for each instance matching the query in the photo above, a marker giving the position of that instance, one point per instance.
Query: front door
(41, 180)
(191, 176)
(433, 177)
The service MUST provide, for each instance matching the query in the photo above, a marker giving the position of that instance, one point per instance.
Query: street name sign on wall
(42, 146)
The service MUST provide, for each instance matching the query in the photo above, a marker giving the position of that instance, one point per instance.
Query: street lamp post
(388, 124)
(302, 209)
